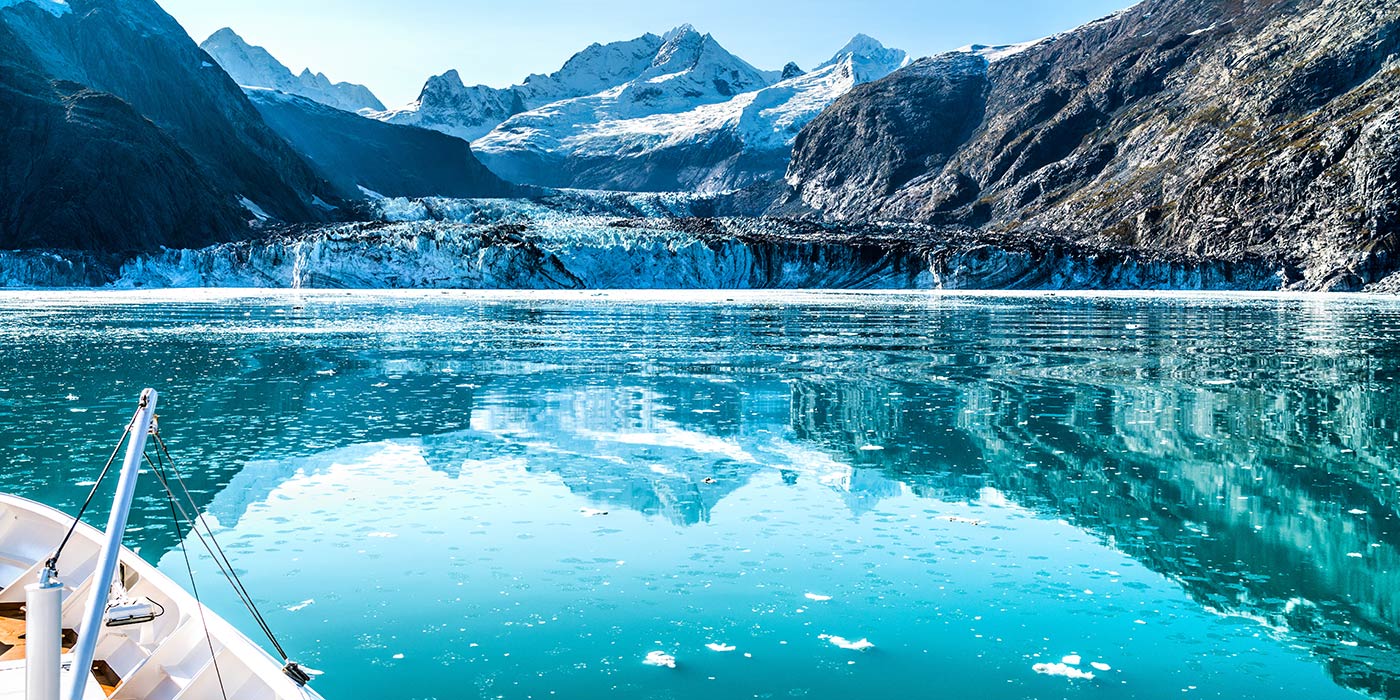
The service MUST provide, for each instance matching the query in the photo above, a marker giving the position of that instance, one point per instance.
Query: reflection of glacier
(615, 446)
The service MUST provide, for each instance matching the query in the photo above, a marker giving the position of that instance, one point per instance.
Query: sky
(393, 47)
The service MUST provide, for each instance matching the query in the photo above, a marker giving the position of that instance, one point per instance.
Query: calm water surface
(522, 496)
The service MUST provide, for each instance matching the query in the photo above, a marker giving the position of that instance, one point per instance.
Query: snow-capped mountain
(253, 66)
(446, 104)
(683, 124)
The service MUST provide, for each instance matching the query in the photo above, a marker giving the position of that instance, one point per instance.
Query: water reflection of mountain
(1275, 503)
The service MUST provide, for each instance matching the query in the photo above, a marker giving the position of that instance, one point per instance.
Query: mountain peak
(225, 34)
(680, 48)
(864, 46)
(254, 66)
(683, 30)
(442, 87)
(869, 57)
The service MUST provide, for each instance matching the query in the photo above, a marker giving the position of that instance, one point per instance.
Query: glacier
(606, 240)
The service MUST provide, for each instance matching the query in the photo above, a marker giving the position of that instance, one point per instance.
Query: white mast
(111, 548)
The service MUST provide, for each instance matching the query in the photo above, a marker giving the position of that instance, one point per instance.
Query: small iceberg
(818, 597)
(841, 642)
(716, 646)
(1063, 670)
(660, 658)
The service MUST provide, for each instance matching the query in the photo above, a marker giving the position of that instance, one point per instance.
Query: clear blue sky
(394, 46)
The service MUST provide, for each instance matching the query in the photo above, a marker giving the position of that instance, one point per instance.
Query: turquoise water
(523, 496)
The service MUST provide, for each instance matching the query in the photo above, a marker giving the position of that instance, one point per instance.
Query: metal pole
(111, 548)
(43, 637)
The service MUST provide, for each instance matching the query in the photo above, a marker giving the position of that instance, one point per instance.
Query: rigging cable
(194, 587)
(52, 563)
(220, 560)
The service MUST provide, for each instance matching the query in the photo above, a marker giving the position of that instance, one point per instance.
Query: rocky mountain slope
(447, 105)
(697, 141)
(1220, 128)
(253, 66)
(359, 156)
(120, 134)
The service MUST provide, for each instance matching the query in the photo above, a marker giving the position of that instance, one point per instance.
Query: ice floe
(1063, 670)
(660, 658)
(859, 645)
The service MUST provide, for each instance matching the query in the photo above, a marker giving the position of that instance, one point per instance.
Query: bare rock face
(188, 159)
(91, 173)
(356, 154)
(1220, 128)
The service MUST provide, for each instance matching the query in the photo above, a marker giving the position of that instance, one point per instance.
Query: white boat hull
(167, 658)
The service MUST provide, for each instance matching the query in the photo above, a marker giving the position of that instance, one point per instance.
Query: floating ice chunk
(382, 535)
(965, 521)
(859, 645)
(716, 646)
(1072, 660)
(1218, 382)
(871, 448)
(71, 397)
(660, 658)
(325, 372)
(398, 656)
(818, 597)
(1063, 670)
(1358, 555)
(1357, 511)
(301, 605)
(1100, 666)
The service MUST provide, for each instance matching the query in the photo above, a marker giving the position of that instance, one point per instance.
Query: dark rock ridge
(81, 169)
(352, 152)
(1219, 128)
(121, 134)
